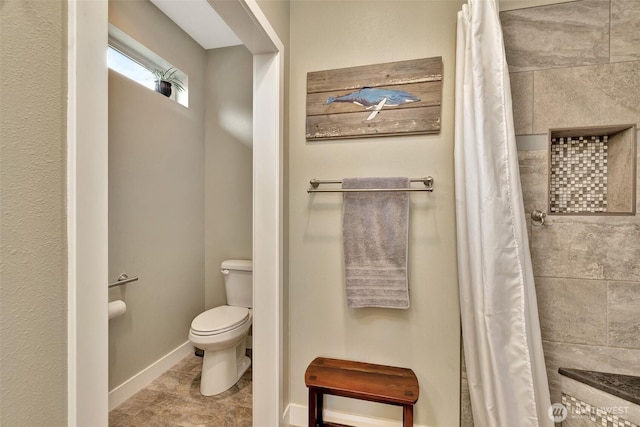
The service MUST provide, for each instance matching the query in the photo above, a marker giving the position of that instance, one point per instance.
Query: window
(135, 61)
(129, 68)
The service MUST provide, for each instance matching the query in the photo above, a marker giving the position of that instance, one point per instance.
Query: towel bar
(315, 183)
(122, 279)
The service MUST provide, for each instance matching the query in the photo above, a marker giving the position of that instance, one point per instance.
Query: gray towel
(375, 229)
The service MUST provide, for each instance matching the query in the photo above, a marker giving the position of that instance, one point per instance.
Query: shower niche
(592, 170)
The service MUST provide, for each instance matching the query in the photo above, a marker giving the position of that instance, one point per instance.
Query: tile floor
(174, 399)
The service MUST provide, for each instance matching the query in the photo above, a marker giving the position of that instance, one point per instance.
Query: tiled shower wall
(577, 64)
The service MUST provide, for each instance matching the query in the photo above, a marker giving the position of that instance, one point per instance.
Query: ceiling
(198, 19)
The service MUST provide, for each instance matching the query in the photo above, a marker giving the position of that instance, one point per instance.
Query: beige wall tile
(624, 293)
(598, 358)
(637, 171)
(522, 96)
(625, 30)
(566, 249)
(534, 179)
(573, 85)
(572, 310)
(624, 326)
(466, 416)
(586, 96)
(624, 314)
(590, 248)
(621, 158)
(563, 35)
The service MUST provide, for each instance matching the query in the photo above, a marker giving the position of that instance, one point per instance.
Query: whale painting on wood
(375, 99)
(396, 98)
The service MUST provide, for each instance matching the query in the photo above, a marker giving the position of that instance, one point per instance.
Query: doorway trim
(87, 207)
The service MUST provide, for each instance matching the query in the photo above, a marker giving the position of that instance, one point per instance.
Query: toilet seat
(219, 320)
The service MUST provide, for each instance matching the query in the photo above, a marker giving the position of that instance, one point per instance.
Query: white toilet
(222, 331)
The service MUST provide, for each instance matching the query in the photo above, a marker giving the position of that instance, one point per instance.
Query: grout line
(610, 30)
(587, 279)
(632, 349)
(533, 102)
(606, 315)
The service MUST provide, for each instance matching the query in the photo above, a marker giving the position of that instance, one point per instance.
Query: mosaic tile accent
(578, 175)
(608, 417)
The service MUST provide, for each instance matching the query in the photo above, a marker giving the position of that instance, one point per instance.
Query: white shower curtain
(500, 327)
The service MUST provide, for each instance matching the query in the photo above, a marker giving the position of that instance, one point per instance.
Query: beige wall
(156, 197)
(228, 164)
(33, 249)
(426, 338)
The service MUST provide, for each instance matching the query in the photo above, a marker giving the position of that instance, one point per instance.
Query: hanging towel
(375, 229)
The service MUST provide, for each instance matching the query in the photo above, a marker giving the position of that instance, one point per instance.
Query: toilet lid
(219, 319)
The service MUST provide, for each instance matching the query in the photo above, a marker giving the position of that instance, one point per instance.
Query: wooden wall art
(396, 98)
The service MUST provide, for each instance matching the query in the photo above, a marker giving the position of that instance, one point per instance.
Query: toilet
(222, 331)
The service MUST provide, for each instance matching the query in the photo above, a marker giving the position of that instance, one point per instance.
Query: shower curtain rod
(315, 183)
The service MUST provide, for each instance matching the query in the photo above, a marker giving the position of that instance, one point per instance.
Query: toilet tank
(238, 282)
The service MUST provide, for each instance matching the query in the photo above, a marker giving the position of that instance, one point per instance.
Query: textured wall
(426, 337)
(156, 197)
(33, 290)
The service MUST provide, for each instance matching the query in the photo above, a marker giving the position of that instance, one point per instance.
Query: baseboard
(296, 416)
(143, 378)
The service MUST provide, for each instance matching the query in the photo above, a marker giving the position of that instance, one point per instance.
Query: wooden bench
(365, 381)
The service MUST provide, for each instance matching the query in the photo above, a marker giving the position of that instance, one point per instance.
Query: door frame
(87, 207)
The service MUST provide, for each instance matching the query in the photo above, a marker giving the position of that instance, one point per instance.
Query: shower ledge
(626, 387)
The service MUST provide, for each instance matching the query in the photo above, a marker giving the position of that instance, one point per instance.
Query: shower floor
(174, 399)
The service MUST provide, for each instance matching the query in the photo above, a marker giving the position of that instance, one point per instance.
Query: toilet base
(221, 369)
(243, 366)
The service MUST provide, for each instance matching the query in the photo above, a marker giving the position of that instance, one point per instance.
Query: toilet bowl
(222, 331)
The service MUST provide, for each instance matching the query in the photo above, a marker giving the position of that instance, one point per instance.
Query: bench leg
(312, 407)
(319, 401)
(315, 408)
(407, 416)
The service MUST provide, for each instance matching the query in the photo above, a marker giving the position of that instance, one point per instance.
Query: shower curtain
(500, 327)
